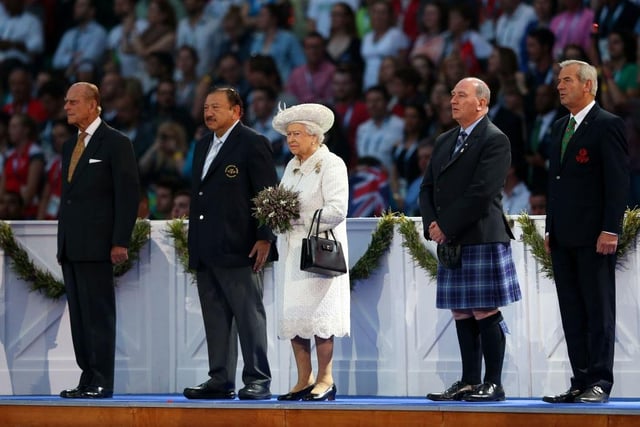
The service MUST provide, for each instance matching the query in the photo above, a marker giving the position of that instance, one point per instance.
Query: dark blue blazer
(588, 189)
(98, 207)
(222, 230)
(463, 194)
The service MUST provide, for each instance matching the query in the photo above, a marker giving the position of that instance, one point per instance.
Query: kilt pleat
(486, 279)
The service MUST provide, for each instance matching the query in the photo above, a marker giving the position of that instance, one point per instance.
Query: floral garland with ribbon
(43, 281)
(535, 241)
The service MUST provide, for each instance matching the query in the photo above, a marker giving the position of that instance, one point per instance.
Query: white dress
(310, 304)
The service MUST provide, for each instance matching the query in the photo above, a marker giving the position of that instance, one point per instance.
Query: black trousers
(91, 297)
(229, 295)
(585, 282)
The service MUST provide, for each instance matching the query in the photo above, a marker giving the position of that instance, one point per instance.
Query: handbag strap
(316, 221)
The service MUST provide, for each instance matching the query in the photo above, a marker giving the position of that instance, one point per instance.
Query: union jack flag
(369, 192)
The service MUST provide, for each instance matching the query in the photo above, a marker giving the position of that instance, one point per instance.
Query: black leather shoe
(328, 394)
(96, 392)
(205, 391)
(457, 391)
(296, 395)
(593, 394)
(72, 393)
(568, 396)
(254, 392)
(486, 392)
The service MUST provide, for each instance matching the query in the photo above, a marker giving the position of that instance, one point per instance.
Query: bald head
(82, 104)
(469, 101)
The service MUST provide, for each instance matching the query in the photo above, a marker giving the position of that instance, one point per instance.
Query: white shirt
(26, 28)
(377, 141)
(373, 52)
(201, 37)
(214, 149)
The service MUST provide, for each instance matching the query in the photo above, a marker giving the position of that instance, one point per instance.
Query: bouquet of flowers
(276, 207)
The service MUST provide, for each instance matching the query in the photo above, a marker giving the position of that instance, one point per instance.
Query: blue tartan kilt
(487, 279)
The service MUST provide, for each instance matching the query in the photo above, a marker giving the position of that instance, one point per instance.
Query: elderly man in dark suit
(228, 248)
(460, 202)
(588, 189)
(97, 214)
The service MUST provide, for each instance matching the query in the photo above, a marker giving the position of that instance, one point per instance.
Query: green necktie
(568, 133)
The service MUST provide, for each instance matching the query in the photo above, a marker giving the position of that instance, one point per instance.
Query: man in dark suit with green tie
(98, 210)
(588, 189)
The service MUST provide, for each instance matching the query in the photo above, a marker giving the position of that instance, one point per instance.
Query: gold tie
(75, 156)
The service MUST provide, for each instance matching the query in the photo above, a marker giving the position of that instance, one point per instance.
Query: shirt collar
(91, 129)
(224, 137)
(583, 113)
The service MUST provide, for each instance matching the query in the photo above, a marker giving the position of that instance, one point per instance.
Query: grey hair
(312, 129)
(586, 72)
(482, 90)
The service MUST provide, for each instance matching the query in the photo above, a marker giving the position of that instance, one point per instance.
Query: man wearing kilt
(460, 202)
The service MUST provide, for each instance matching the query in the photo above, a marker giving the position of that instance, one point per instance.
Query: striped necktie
(462, 136)
(568, 133)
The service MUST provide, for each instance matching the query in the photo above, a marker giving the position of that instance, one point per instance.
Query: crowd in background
(386, 68)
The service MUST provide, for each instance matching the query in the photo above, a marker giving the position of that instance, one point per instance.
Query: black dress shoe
(568, 396)
(486, 392)
(296, 395)
(254, 392)
(457, 391)
(72, 393)
(96, 392)
(205, 391)
(328, 394)
(593, 394)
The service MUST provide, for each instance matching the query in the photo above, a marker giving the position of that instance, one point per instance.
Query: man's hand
(261, 252)
(436, 234)
(547, 247)
(607, 243)
(119, 254)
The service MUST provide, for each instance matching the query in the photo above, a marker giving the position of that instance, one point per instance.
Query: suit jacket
(98, 207)
(588, 189)
(463, 194)
(222, 230)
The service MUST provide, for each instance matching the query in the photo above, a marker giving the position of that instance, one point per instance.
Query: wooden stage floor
(174, 410)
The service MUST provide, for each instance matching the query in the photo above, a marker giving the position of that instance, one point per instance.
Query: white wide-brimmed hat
(317, 114)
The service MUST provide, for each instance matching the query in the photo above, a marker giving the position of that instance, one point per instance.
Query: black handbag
(322, 255)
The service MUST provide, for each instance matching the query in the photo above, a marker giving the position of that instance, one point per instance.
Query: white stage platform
(400, 344)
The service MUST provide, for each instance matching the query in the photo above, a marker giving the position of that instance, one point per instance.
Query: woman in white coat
(312, 306)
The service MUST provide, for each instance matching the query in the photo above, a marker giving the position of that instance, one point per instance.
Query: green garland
(418, 251)
(532, 238)
(176, 230)
(42, 280)
(380, 242)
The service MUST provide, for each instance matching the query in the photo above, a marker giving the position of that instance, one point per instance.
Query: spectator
(351, 111)
(21, 38)
(166, 108)
(198, 31)
(515, 194)
(430, 41)
(512, 24)
(411, 202)
(24, 166)
(165, 158)
(618, 15)
(465, 41)
(84, 44)
(129, 121)
(160, 34)
(11, 206)
(263, 109)
(544, 10)
(159, 66)
(20, 99)
(129, 63)
(573, 26)
(237, 37)
(320, 15)
(51, 95)
(161, 198)
(112, 87)
(383, 40)
(376, 136)
(50, 202)
(538, 203)
(620, 81)
(180, 206)
(404, 89)
(427, 72)
(185, 77)
(311, 82)
(273, 39)
(405, 167)
(343, 44)
(539, 70)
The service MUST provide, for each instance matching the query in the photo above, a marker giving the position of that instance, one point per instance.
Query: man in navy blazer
(97, 213)
(228, 248)
(588, 189)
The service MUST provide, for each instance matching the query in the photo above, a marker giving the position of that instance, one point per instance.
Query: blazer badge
(583, 156)
(231, 171)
